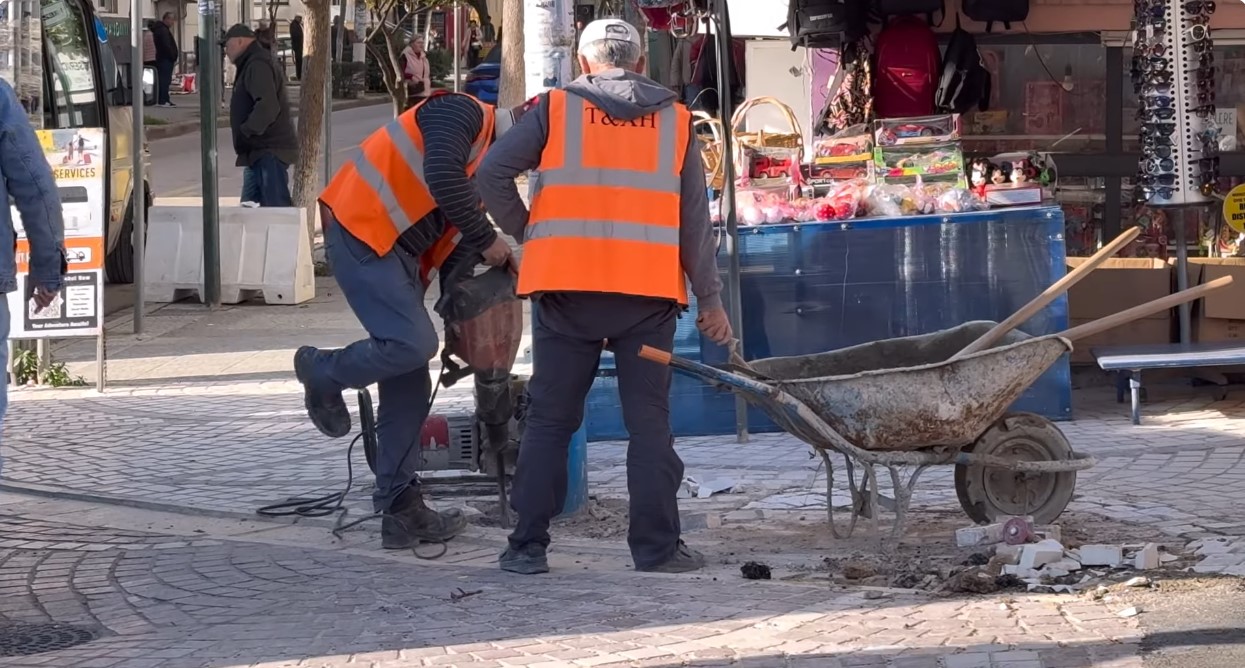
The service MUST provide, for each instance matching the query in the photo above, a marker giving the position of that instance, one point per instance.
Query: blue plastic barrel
(576, 463)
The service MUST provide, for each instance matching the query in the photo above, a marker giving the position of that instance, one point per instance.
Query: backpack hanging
(965, 82)
(815, 24)
(927, 8)
(990, 12)
(905, 78)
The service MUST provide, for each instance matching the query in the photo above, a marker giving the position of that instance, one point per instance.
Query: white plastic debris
(703, 489)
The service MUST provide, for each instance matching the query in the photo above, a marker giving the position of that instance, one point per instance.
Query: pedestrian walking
(167, 55)
(28, 183)
(386, 236)
(296, 45)
(259, 115)
(619, 218)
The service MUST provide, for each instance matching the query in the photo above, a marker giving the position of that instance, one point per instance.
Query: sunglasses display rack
(1174, 76)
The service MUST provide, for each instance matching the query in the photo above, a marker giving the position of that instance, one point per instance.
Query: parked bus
(85, 87)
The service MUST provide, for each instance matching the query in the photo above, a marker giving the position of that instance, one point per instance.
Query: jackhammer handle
(655, 355)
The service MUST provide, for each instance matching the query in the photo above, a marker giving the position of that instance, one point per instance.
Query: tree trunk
(311, 101)
(513, 86)
(549, 33)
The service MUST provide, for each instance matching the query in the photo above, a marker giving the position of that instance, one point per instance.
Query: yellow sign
(1234, 208)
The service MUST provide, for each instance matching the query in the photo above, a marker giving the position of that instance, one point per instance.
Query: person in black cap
(259, 115)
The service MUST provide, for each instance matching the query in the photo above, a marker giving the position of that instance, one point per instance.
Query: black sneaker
(684, 560)
(527, 560)
(411, 522)
(326, 409)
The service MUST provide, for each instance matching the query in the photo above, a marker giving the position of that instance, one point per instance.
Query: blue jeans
(386, 296)
(4, 362)
(267, 182)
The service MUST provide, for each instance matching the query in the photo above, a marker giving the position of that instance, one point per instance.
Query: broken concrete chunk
(1101, 555)
(1049, 532)
(1129, 612)
(1168, 558)
(1039, 554)
(1066, 564)
(1147, 558)
(1139, 581)
(1009, 553)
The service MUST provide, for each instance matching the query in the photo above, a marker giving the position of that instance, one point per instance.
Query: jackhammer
(484, 328)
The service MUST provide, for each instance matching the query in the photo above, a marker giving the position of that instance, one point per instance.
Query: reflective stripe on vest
(606, 203)
(431, 261)
(381, 191)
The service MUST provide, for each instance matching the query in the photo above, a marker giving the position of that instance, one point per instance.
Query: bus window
(71, 73)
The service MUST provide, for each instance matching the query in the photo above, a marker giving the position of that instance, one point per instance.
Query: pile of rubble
(1034, 557)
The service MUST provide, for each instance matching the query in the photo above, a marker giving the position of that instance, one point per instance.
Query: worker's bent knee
(407, 354)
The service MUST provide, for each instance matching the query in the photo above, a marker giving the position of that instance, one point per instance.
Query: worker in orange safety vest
(618, 226)
(387, 233)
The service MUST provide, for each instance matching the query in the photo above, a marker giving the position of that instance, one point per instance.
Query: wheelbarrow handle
(656, 355)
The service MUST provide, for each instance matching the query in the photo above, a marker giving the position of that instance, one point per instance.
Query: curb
(180, 128)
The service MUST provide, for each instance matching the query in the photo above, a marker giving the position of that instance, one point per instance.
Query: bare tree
(513, 78)
(311, 100)
(390, 18)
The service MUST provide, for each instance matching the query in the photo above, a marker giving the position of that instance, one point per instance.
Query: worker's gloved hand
(714, 324)
(498, 253)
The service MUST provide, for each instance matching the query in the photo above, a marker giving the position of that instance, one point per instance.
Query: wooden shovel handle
(1049, 295)
(1149, 308)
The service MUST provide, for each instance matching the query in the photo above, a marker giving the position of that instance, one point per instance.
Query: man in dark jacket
(166, 57)
(259, 114)
(296, 45)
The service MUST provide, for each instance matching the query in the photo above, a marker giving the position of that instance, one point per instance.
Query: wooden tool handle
(1049, 295)
(1149, 308)
(654, 355)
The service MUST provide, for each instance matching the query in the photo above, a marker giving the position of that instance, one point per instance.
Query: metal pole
(209, 107)
(328, 103)
(726, 109)
(1183, 311)
(137, 195)
(458, 42)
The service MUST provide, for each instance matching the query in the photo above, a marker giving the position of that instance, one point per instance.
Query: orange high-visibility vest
(431, 261)
(605, 210)
(381, 192)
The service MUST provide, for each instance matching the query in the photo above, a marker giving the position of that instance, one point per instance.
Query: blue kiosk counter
(813, 287)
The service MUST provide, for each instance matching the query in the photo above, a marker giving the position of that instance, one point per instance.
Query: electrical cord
(328, 504)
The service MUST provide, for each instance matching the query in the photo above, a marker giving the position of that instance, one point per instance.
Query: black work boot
(684, 560)
(325, 407)
(527, 560)
(410, 522)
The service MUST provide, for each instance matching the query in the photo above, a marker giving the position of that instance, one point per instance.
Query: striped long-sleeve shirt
(449, 124)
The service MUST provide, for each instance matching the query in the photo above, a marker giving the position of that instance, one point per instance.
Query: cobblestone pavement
(201, 417)
(175, 601)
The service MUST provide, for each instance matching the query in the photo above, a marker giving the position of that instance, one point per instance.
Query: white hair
(612, 53)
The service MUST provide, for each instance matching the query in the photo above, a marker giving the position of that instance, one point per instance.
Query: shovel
(1048, 295)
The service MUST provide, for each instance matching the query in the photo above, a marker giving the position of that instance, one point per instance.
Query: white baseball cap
(608, 29)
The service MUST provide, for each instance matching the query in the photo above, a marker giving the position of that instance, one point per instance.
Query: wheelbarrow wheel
(987, 493)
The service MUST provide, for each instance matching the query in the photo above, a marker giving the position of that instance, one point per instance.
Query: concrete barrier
(262, 251)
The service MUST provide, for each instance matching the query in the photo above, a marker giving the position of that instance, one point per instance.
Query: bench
(1130, 361)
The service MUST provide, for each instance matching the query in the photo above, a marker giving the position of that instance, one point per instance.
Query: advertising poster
(77, 159)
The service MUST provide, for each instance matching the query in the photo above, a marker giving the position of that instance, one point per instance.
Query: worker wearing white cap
(618, 226)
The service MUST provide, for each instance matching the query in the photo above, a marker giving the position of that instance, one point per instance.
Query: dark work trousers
(568, 330)
(164, 80)
(386, 296)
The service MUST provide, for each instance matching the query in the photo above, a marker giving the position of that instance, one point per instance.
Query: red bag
(905, 79)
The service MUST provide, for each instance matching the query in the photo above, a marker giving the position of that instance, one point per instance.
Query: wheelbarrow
(922, 401)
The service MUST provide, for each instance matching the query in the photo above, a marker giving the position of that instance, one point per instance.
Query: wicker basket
(711, 149)
(762, 138)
